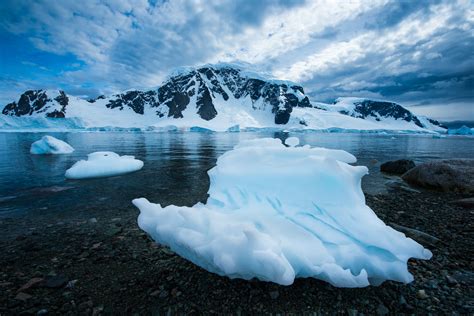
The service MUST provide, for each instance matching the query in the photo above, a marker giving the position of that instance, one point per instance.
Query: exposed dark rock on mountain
(437, 123)
(38, 101)
(176, 105)
(380, 109)
(135, 100)
(206, 109)
(100, 97)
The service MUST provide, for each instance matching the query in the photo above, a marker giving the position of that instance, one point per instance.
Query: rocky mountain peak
(51, 103)
(202, 88)
(203, 92)
(378, 110)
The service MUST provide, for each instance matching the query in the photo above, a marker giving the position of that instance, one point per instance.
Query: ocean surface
(176, 165)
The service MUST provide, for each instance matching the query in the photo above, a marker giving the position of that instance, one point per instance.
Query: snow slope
(255, 225)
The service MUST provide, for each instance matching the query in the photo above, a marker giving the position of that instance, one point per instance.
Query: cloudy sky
(418, 53)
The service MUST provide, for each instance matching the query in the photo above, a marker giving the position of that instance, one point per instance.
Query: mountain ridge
(208, 94)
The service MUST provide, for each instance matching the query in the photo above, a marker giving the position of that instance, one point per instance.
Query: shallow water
(176, 165)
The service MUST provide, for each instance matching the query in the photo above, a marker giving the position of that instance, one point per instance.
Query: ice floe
(48, 145)
(103, 164)
(276, 213)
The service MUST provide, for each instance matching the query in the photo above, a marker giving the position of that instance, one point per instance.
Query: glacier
(463, 130)
(276, 213)
(48, 145)
(103, 164)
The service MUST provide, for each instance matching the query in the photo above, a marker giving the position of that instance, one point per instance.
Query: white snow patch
(276, 213)
(48, 145)
(103, 164)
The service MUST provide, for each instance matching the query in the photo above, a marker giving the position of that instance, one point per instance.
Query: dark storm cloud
(397, 11)
(434, 69)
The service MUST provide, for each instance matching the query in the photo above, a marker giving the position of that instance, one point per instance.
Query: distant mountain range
(216, 97)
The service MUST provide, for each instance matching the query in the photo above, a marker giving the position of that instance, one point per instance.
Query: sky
(416, 53)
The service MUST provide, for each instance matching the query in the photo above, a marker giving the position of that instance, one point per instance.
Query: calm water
(176, 165)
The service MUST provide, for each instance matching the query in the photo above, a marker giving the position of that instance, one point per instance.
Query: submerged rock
(446, 175)
(397, 166)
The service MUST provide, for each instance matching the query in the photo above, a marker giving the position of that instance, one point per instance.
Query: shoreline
(97, 261)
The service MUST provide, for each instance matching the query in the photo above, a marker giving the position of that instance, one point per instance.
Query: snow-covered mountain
(49, 103)
(216, 97)
(379, 111)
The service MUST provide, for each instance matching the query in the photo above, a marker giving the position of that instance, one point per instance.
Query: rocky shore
(98, 262)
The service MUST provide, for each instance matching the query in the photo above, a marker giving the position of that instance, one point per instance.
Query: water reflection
(176, 165)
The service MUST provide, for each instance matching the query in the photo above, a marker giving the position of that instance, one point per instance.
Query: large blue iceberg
(276, 213)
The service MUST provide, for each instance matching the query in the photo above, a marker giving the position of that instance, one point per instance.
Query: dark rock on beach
(466, 203)
(108, 266)
(397, 166)
(447, 175)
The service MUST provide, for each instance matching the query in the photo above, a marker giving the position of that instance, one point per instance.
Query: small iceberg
(48, 145)
(234, 129)
(463, 130)
(276, 213)
(103, 164)
(200, 129)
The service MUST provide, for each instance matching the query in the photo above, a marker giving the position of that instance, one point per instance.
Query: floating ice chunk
(292, 141)
(103, 164)
(463, 130)
(200, 129)
(276, 213)
(49, 145)
(234, 129)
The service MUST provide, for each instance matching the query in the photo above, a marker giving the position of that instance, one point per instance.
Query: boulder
(447, 175)
(419, 236)
(397, 166)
